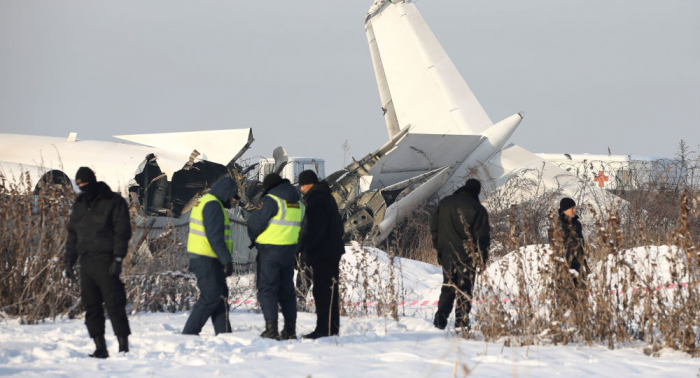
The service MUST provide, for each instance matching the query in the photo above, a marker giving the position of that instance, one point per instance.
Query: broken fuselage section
(371, 214)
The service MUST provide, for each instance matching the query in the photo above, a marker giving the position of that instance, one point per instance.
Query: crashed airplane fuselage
(164, 171)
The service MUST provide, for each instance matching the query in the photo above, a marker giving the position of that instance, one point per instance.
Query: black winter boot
(313, 335)
(100, 347)
(289, 331)
(123, 343)
(440, 320)
(270, 331)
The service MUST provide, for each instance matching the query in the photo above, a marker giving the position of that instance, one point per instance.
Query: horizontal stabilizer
(419, 153)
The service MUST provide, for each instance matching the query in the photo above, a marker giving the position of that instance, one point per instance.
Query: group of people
(288, 231)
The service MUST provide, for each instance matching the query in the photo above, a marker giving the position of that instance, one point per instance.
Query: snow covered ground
(652, 266)
(368, 345)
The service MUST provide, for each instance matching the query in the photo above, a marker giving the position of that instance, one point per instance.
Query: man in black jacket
(573, 238)
(321, 245)
(274, 228)
(209, 247)
(460, 230)
(99, 230)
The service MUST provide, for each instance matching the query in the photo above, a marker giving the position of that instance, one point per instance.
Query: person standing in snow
(461, 234)
(274, 229)
(573, 241)
(210, 246)
(321, 246)
(99, 230)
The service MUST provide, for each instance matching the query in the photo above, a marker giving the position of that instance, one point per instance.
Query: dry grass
(623, 303)
(619, 305)
(33, 236)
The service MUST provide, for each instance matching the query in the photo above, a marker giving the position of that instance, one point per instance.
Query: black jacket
(321, 236)
(214, 226)
(450, 233)
(98, 225)
(573, 241)
(259, 219)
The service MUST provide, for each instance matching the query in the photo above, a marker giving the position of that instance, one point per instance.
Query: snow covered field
(367, 346)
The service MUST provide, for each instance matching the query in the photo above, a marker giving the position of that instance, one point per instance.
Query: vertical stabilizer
(418, 83)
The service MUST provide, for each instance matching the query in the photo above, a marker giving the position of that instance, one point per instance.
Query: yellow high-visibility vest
(197, 241)
(284, 227)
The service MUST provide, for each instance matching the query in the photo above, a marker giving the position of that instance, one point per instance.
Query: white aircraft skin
(114, 163)
(421, 88)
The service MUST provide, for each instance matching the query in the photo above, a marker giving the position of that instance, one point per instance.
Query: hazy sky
(589, 75)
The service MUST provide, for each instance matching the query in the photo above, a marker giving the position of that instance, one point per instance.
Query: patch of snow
(367, 346)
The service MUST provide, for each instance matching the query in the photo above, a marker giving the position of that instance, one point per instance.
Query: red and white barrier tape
(474, 301)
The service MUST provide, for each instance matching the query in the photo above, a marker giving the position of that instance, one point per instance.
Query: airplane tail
(411, 66)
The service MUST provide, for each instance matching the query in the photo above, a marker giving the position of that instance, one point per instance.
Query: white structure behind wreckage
(621, 172)
(449, 132)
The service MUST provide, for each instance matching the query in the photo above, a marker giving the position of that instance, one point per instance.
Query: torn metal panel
(364, 215)
(158, 196)
(232, 163)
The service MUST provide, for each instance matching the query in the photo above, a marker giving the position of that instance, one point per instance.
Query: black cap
(270, 181)
(85, 175)
(307, 177)
(566, 203)
(473, 186)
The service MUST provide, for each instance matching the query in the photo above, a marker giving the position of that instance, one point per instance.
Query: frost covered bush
(32, 235)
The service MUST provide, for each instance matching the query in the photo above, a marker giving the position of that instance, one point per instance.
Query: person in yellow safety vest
(274, 228)
(209, 248)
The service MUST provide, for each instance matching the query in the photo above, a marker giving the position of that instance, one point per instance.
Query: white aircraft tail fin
(411, 67)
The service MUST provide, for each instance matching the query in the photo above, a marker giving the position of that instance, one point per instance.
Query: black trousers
(213, 296)
(98, 287)
(454, 283)
(275, 282)
(325, 278)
